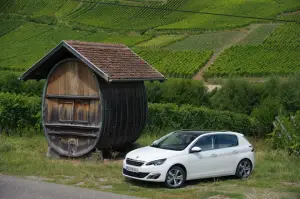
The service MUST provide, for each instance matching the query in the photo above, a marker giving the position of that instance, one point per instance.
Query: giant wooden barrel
(81, 111)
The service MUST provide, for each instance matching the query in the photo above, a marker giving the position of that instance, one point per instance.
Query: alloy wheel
(175, 177)
(244, 168)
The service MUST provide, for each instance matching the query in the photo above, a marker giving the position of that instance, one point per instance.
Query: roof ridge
(95, 44)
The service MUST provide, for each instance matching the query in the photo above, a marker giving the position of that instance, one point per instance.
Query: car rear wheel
(176, 177)
(244, 169)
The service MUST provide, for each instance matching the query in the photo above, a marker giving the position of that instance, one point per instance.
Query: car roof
(204, 132)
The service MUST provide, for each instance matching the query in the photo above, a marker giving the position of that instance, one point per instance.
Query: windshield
(177, 141)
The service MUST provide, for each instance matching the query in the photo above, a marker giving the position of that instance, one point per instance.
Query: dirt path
(244, 33)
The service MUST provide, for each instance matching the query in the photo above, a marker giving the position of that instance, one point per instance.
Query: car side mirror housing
(195, 149)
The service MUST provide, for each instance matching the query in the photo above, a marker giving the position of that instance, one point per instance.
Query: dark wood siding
(125, 113)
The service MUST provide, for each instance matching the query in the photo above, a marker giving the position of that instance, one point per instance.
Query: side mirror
(195, 149)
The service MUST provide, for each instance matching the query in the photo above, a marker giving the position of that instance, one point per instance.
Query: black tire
(175, 177)
(243, 169)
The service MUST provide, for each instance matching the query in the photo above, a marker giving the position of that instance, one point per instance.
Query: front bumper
(146, 173)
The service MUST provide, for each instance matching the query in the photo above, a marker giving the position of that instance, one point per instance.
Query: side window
(225, 141)
(205, 143)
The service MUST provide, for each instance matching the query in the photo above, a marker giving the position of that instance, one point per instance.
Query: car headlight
(156, 162)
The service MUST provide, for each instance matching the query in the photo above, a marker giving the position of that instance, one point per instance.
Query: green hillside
(279, 54)
(177, 43)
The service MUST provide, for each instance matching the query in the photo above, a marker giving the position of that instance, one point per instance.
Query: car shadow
(190, 183)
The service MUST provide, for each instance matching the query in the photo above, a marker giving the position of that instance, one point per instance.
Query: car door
(204, 163)
(227, 150)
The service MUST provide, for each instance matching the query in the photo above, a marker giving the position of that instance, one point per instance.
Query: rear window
(225, 141)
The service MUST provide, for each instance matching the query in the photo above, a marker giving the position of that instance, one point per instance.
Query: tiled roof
(113, 62)
(117, 61)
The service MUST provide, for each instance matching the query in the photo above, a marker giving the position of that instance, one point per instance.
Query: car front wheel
(243, 169)
(176, 177)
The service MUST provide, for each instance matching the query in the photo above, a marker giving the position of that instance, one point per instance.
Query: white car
(187, 155)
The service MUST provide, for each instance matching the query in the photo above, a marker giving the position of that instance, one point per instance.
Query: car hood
(151, 153)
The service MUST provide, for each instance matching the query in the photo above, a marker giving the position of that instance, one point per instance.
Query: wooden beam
(76, 126)
(73, 97)
(72, 134)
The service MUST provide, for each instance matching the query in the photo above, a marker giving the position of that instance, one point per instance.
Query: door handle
(235, 152)
(214, 155)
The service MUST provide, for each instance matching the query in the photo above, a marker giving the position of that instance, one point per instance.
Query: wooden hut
(94, 96)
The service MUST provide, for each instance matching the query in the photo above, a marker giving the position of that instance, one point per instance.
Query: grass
(258, 35)
(162, 41)
(276, 174)
(206, 41)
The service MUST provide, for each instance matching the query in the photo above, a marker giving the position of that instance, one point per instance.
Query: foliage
(175, 63)
(22, 47)
(286, 134)
(162, 116)
(289, 93)
(178, 91)
(257, 60)
(9, 25)
(285, 37)
(265, 114)
(205, 41)
(105, 37)
(162, 41)
(9, 82)
(279, 55)
(259, 34)
(119, 15)
(238, 96)
(18, 112)
(265, 8)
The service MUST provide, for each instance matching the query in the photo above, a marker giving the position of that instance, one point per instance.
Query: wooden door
(72, 107)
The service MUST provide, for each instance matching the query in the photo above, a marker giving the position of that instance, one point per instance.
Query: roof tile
(117, 61)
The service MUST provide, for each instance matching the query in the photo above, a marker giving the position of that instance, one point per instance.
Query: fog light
(153, 176)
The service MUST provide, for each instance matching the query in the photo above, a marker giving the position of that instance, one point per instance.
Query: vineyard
(22, 47)
(175, 64)
(132, 15)
(278, 54)
(260, 33)
(206, 41)
(162, 41)
(176, 43)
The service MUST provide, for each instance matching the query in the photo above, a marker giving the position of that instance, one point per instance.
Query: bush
(238, 96)
(9, 82)
(265, 114)
(171, 116)
(289, 93)
(286, 134)
(51, 20)
(19, 112)
(178, 91)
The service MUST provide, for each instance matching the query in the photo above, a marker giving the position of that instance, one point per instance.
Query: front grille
(133, 174)
(134, 162)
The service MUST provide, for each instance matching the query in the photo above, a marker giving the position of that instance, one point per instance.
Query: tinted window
(176, 141)
(224, 141)
(205, 143)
